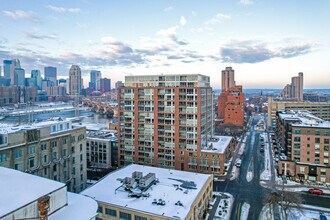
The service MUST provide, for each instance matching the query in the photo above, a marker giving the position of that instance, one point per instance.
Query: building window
(317, 147)
(80, 147)
(126, 216)
(326, 147)
(64, 141)
(317, 160)
(54, 144)
(297, 145)
(100, 209)
(17, 153)
(111, 212)
(45, 158)
(317, 154)
(63, 152)
(317, 132)
(32, 150)
(296, 139)
(317, 140)
(3, 158)
(296, 152)
(43, 147)
(136, 217)
(323, 172)
(81, 157)
(297, 131)
(31, 162)
(326, 140)
(98, 218)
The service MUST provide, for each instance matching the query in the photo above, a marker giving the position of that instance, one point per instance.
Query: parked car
(262, 150)
(238, 163)
(316, 191)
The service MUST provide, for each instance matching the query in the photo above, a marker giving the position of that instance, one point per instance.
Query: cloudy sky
(265, 41)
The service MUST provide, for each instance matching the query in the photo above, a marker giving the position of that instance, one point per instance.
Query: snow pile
(266, 174)
(266, 213)
(249, 176)
(234, 173)
(245, 211)
(241, 149)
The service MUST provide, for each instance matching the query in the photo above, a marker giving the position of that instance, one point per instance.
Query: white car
(238, 163)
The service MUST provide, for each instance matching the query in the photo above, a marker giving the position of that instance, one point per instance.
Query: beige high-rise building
(227, 79)
(75, 80)
(297, 87)
(52, 149)
(320, 109)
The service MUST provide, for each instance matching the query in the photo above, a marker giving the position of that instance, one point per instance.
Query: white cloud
(19, 14)
(218, 18)
(63, 10)
(183, 21)
(170, 8)
(246, 2)
(167, 32)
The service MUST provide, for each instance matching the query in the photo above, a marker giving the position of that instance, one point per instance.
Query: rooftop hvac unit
(129, 183)
(137, 175)
(147, 180)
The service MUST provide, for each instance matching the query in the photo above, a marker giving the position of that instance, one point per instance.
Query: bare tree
(287, 201)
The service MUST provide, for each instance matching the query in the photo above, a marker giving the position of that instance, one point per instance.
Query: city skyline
(266, 43)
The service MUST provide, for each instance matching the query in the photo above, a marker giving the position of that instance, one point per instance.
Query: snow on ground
(307, 212)
(245, 211)
(234, 173)
(249, 176)
(299, 189)
(224, 208)
(266, 213)
(241, 149)
(266, 174)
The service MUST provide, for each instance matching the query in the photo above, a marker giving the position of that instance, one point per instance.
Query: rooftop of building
(303, 118)
(8, 128)
(109, 135)
(19, 189)
(162, 192)
(217, 144)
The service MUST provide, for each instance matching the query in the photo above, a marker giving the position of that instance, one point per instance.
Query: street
(252, 192)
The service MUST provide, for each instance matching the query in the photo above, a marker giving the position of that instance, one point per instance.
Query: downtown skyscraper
(75, 80)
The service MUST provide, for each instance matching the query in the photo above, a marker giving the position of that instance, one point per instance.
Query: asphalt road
(252, 192)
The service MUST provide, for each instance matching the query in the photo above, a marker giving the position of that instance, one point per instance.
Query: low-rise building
(145, 193)
(305, 139)
(26, 196)
(102, 149)
(53, 149)
(320, 109)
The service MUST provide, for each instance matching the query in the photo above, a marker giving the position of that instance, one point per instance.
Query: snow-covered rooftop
(79, 207)
(167, 189)
(6, 128)
(218, 144)
(19, 189)
(108, 135)
(304, 118)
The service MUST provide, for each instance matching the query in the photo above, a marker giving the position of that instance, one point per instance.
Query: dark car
(316, 191)
(262, 150)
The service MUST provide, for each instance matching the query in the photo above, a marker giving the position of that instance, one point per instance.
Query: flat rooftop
(304, 118)
(218, 144)
(19, 189)
(167, 188)
(9, 128)
(105, 135)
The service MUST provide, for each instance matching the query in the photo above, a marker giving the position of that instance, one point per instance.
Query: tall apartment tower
(227, 79)
(95, 78)
(165, 120)
(9, 67)
(297, 87)
(36, 74)
(51, 74)
(75, 80)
